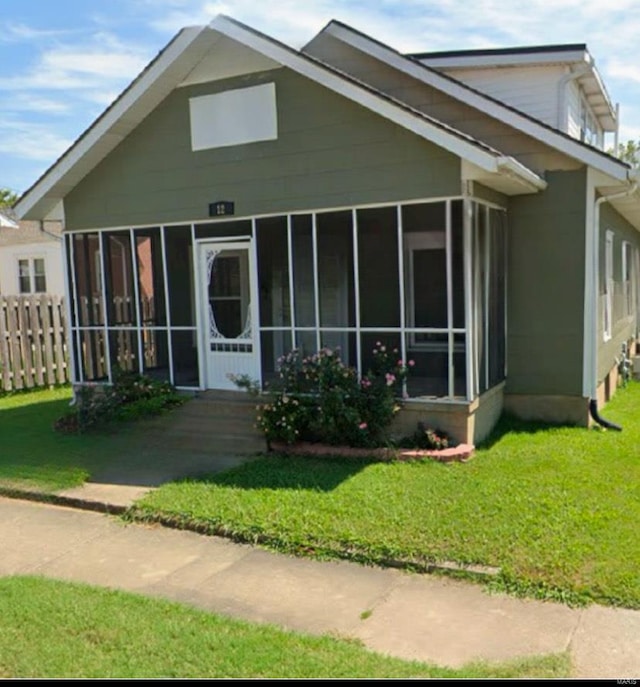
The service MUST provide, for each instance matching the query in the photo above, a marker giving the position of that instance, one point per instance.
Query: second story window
(588, 125)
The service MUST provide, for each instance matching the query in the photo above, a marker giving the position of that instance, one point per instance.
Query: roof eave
(491, 106)
(116, 122)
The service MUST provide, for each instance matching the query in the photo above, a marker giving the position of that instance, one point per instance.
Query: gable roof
(187, 49)
(586, 154)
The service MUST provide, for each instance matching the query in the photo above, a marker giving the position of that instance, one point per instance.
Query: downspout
(47, 232)
(593, 401)
(563, 111)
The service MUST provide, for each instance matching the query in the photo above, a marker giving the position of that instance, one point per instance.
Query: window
(588, 126)
(608, 286)
(627, 271)
(31, 275)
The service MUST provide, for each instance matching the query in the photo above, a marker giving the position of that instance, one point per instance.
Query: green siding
(330, 152)
(624, 327)
(546, 288)
(484, 193)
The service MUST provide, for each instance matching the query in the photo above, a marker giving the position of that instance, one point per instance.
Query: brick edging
(460, 453)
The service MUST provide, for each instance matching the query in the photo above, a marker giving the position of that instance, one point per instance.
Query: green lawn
(557, 509)
(33, 456)
(59, 630)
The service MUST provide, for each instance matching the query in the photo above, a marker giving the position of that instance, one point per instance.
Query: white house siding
(30, 242)
(533, 90)
(573, 109)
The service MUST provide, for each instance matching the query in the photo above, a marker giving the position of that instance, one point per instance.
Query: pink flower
(400, 363)
(411, 363)
(365, 383)
(362, 425)
(378, 343)
(390, 378)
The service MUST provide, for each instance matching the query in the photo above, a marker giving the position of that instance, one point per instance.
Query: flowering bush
(321, 399)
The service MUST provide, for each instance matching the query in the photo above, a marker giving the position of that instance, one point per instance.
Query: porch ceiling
(628, 207)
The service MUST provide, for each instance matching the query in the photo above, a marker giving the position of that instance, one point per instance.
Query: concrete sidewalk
(410, 616)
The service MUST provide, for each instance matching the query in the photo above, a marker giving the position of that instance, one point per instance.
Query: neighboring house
(244, 198)
(30, 257)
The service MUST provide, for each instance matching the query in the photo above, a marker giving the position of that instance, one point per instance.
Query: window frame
(32, 275)
(609, 286)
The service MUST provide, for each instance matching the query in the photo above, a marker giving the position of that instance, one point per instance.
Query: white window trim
(608, 287)
(32, 273)
(627, 277)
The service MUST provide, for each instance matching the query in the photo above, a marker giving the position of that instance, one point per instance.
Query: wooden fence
(33, 342)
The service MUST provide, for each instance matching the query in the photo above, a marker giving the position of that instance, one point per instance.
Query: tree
(628, 152)
(7, 197)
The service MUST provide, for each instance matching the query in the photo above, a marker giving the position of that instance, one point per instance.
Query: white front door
(229, 317)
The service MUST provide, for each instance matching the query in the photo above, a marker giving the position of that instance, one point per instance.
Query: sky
(62, 62)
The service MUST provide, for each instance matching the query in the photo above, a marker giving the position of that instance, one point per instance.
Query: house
(241, 198)
(30, 257)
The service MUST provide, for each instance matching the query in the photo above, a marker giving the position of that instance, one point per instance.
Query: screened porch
(426, 278)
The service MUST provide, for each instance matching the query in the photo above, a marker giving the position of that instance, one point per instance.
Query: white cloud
(619, 69)
(12, 32)
(31, 141)
(28, 102)
(103, 61)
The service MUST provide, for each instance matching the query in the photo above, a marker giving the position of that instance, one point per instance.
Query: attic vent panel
(244, 115)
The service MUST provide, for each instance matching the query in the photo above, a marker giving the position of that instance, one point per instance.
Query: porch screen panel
(123, 350)
(180, 276)
(151, 291)
(430, 374)
(306, 342)
(379, 280)
(184, 346)
(120, 296)
(94, 358)
(424, 238)
(155, 354)
(335, 269)
(457, 264)
(481, 247)
(303, 284)
(273, 287)
(67, 240)
(497, 296)
(87, 264)
(370, 341)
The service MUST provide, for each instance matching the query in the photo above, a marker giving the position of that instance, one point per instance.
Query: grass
(54, 629)
(35, 457)
(555, 508)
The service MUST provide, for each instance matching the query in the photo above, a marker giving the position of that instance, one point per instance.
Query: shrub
(319, 398)
(426, 438)
(131, 396)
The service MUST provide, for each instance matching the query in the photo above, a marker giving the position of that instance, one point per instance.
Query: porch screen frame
(405, 331)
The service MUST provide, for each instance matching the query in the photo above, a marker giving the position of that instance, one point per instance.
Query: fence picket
(58, 331)
(33, 342)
